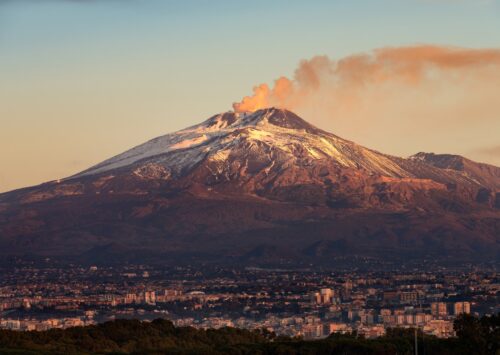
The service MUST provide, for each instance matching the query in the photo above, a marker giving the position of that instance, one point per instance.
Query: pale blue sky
(85, 79)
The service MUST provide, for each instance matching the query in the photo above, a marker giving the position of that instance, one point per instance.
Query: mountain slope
(247, 186)
(486, 175)
(273, 131)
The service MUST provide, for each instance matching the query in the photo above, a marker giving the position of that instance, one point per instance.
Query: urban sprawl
(305, 303)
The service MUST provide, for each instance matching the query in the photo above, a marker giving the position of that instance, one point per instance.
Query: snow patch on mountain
(260, 132)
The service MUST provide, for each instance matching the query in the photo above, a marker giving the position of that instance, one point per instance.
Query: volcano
(261, 187)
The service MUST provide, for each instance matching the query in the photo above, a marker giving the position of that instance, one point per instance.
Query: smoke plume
(346, 81)
(399, 100)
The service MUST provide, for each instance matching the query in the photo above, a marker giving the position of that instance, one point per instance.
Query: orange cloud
(347, 77)
(263, 96)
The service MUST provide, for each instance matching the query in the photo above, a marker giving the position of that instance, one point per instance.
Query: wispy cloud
(492, 151)
(351, 78)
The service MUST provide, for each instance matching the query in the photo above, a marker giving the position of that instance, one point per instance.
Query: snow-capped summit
(270, 116)
(278, 134)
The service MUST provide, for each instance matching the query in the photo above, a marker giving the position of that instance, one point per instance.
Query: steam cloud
(322, 82)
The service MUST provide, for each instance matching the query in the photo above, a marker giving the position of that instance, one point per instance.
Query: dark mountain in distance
(486, 175)
(262, 187)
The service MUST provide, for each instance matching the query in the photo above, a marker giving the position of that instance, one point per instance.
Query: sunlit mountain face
(259, 187)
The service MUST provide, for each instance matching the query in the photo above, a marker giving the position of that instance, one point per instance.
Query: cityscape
(311, 304)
